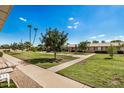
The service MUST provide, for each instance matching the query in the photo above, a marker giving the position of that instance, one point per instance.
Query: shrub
(1, 54)
(120, 52)
(6, 51)
(34, 49)
(112, 50)
(101, 52)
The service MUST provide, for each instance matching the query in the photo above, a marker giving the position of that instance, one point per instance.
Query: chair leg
(8, 80)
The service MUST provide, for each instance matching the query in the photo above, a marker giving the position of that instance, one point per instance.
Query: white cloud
(76, 23)
(101, 35)
(71, 19)
(75, 27)
(108, 40)
(23, 19)
(70, 27)
(93, 37)
(121, 36)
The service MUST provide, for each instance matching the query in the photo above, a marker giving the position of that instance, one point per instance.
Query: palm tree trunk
(54, 54)
(30, 35)
(35, 36)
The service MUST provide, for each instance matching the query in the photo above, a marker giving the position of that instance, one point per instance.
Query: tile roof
(98, 44)
(103, 44)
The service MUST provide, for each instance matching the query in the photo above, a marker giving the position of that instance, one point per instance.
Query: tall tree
(88, 42)
(53, 40)
(95, 41)
(40, 47)
(116, 41)
(30, 27)
(27, 45)
(14, 46)
(82, 46)
(21, 46)
(5, 46)
(35, 29)
(102, 41)
(112, 50)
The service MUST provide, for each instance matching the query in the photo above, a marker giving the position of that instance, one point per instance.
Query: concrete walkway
(13, 60)
(67, 64)
(49, 79)
(45, 78)
(22, 80)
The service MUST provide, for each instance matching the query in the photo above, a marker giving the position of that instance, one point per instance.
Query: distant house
(72, 47)
(93, 47)
(100, 46)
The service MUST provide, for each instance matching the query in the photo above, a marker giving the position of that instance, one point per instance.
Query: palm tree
(35, 29)
(30, 27)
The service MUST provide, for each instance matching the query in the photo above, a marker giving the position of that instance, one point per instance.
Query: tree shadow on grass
(13, 53)
(107, 58)
(43, 60)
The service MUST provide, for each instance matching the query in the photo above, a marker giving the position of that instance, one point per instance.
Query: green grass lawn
(42, 60)
(4, 85)
(98, 71)
(74, 53)
(81, 53)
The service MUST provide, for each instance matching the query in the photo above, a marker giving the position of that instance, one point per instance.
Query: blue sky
(81, 22)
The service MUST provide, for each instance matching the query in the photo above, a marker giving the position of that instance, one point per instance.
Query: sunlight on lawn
(98, 71)
(42, 60)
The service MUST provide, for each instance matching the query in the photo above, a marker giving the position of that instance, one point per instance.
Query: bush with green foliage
(6, 51)
(1, 54)
(95, 41)
(34, 49)
(5, 46)
(82, 46)
(14, 46)
(101, 52)
(27, 45)
(40, 47)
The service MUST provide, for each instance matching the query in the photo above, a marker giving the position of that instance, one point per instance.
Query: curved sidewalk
(44, 77)
(49, 79)
(69, 63)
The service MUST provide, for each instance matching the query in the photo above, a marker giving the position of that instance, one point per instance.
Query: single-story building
(72, 47)
(93, 47)
(101, 46)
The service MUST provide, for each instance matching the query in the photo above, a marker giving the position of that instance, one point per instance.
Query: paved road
(45, 78)
(69, 63)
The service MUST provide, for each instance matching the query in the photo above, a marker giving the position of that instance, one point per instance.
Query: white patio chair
(5, 77)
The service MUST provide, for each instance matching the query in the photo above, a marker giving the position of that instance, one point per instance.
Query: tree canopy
(113, 41)
(53, 39)
(112, 50)
(82, 46)
(103, 41)
(95, 41)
